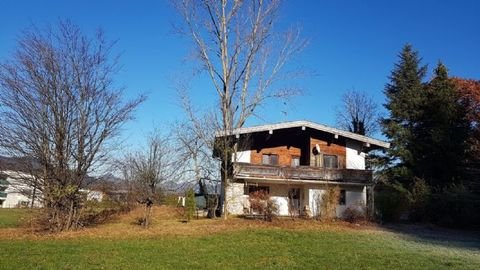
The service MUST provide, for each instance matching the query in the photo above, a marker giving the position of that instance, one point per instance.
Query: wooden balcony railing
(301, 173)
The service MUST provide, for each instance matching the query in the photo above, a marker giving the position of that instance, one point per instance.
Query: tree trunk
(70, 216)
(34, 191)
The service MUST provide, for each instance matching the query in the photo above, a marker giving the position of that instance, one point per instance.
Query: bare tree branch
(358, 113)
(243, 55)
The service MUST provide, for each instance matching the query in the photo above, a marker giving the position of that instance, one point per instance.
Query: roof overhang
(303, 125)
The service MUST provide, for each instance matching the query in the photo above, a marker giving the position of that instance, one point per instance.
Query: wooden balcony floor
(247, 170)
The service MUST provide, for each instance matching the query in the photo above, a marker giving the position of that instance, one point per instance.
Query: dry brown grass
(167, 222)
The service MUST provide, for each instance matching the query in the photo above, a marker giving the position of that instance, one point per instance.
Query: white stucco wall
(238, 201)
(15, 191)
(354, 156)
(314, 200)
(279, 194)
(355, 197)
(14, 199)
(242, 156)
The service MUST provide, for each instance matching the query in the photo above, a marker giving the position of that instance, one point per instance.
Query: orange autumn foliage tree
(469, 93)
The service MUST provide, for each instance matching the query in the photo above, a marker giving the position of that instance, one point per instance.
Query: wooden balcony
(306, 173)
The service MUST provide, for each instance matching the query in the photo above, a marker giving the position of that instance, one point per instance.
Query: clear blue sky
(353, 44)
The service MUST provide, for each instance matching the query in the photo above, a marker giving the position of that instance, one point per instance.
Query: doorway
(294, 202)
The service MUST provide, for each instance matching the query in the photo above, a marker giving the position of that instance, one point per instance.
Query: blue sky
(352, 44)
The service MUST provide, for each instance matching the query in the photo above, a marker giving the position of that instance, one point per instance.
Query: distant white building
(14, 193)
(93, 195)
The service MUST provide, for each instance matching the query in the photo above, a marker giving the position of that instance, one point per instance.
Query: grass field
(11, 218)
(233, 244)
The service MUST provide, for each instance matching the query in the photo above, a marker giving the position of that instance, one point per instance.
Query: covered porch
(298, 198)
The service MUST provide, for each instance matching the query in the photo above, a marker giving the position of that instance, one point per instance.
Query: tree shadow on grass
(465, 239)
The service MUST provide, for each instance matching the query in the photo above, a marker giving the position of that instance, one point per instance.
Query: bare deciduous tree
(358, 113)
(60, 107)
(242, 54)
(195, 138)
(146, 170)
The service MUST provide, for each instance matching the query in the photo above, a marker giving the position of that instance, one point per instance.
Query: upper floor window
(270, 159)
(330, 161)
(295, 161)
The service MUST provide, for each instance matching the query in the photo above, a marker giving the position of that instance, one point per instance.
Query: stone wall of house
(237, 201)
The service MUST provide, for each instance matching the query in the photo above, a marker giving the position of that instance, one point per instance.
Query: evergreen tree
(440, 133)
(404, 95)
(190, 204)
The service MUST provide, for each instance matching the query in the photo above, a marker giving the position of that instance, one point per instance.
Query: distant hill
(23, 164)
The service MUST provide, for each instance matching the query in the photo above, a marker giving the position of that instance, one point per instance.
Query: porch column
(371, 201)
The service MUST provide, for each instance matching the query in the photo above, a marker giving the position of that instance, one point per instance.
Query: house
(295, 162)
(17, 183)
(15, 193)
(18, 188)
(3, 187)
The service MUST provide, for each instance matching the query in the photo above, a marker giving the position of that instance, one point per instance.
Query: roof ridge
(305, 123)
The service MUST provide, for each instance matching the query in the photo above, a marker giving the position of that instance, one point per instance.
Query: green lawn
(233, 244)
(258, 248)
(13, 217)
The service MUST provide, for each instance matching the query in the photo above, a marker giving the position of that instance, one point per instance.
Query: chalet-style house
(295, 162)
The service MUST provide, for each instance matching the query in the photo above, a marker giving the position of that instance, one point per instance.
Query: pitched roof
(304, 125)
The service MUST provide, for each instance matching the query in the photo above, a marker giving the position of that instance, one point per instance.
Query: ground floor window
(343, 197)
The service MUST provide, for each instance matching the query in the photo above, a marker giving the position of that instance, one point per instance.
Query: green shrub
(261, 203)
(420, 196)
(392, 201)
(455, 207)
(169, 199)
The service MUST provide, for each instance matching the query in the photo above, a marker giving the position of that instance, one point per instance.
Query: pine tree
(440, 132)
(190, 204)
(404, 95)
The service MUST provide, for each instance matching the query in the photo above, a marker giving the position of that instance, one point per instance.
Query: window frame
(292, 158)
(325, 157)
(269, 159)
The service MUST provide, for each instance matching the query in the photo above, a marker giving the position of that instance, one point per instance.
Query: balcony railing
(301, 173)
